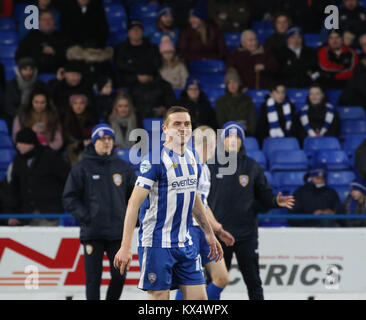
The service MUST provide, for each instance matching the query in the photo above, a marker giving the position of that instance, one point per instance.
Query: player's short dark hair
(172, 110)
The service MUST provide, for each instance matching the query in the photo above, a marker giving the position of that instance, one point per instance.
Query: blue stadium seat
(351, 113)
(297, 96)
(212, 81)
(352, 142)
(362, 3)
(258, 156)
(7, 51)
(332, 159)
(258, 96)
(213, 94)
(312, 40)
(211, 66)
(177, 93)
(353, 127)
(8, 38)
(3, 127)
(5, 141)
(263, 35)
(116, 37)
(6, 157)
(46, 77)
(283, 179)
(130, 157)
(274, 144)
(269, 177)
(333, 96)
(9, 65)
(18, 12)
(274, 223)
(343, 192)
(288, 160)
(312, 144)
(260, 26)
(340, 178)
(116, 14)
(7, 24)
(232, 40)
(2, 174)
(251, 143)
(148, 123)
(145, 12)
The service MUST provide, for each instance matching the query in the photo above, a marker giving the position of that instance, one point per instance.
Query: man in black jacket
(232, 199)
(38, 177)
(96, 194)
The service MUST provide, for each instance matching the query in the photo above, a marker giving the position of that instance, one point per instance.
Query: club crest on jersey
(152, 277)
(243, 180)
(117, 179)
(145, 166)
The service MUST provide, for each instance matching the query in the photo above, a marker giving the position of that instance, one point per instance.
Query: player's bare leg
(158, 294)
(218, 273)
(194, 292)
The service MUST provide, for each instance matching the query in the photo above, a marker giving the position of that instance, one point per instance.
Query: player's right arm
(123, 257)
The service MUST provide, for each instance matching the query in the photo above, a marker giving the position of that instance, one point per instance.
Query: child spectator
(235, 105)
(173, 69)
(123, 120)
(356, 202)
(277, 115)
(39, 115)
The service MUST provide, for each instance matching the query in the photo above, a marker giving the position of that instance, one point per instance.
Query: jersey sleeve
(148, 174)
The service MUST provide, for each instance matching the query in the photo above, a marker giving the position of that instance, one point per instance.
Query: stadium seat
(46, 77)
(149, 122)
(353, 127)
(18, 12)
(6, 157)
(258, 96)
(312, 144)
(340, 178)
(9, 65)
(213, 94)
(351, 113)
(352, 142)
(258, 156)
(8, 38)
(261, 26)
(145, 12)
(251, 143)
(274, 144)
(211, 66)
(288, 178)
(3, 127)
(7, 24)
(116, 16)
(263, 35)
(333, 96)
(177, 93)
(288, 160)
(332, 159)
(2, 174)
(297, 96)
(7, 51)
(343, 192)
(274, 223)
(232, 40)
(130, 157)
(5, 141)
(269, 177)
(212, 81)
(312, 40)
(116, 37)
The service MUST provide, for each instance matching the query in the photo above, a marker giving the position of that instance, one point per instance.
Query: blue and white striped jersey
(204, 184)
(166, 215)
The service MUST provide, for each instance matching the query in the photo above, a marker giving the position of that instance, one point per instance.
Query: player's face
(178, 128)
(104, 145)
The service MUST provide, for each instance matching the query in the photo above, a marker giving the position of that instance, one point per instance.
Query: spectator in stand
(360, 159)
(354, 94)
(235, 105)
(181, 10)
(78, 124)
(278, 40)
(315, 198)
(298, 64)
(85, 22)
(277, 115)
(196, 101)
(201, 39)
(38, 175)
(70, 80)
(362, 42)
(152, 95)
(356, 202)
(255, 64)
(39, 115)
(352, 17)
(96, 62)
(229, 15)
(173, 69)
(123, 120)
(349, 38)
(336, 61)
(104, 97)
(17, 90)
(47, 46)
(128, 55)
(317, 118)
(164, 27)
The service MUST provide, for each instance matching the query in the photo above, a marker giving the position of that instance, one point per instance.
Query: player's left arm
(200, 215)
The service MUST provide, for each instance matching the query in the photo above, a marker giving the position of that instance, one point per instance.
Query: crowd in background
(138, 78)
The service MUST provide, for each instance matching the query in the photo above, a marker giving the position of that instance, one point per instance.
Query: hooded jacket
(96, 194)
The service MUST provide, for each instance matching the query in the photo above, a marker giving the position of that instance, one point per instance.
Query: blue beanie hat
(233, 127)
(165, 10)
(101, 130)
(192, 80)
(199, 11)
(359, 184)
(293, 30)
(318, 171)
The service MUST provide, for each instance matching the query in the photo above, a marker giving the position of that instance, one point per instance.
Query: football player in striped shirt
(164, 199)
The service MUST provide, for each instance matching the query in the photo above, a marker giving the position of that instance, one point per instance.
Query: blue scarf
(275, 130)
(329, 117)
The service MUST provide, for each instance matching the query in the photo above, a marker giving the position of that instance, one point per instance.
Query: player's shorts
(167, 268)
(200, 243)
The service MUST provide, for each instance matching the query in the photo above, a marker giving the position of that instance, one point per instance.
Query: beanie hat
(199, 11)
(233, 127)
(166, 44)
(73, 66)
(192, 80)
(318, 171)
(101, 130)
(135, 23)
(27, 135)
(293, 30)
(232, 75)
(165, 10)
(26, 62)
(359, 184)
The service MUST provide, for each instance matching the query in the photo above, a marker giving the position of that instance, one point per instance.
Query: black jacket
(360, 159)
(96, 194)
(38, 186)
(233, 197)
